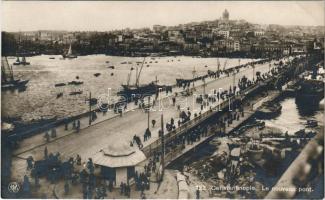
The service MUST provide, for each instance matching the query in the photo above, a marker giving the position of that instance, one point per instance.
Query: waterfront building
(230, 44)
(174, 35)
(236, 46)
(192, 47)
(259, 33)
(224, 33)
(298, 48)
(118, 162)
(45, 36)
(158, 28)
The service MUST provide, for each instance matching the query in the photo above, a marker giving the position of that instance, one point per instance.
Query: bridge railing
(156, 145)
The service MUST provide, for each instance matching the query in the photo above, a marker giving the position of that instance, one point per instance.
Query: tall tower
(225, 15)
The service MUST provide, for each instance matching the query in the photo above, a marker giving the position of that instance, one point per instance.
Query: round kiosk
(118, 162)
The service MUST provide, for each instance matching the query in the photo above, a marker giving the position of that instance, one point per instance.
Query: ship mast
(6, 70)
(129, 77)
(70, 50)
(138, 74)
(218, 63)
(225, 64)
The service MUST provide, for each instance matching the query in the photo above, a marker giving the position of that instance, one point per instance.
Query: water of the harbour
(293, 116)
(39, 100)
(292, 119)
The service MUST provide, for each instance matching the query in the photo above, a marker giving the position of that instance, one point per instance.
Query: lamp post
(162, 147)
(90, 114)
(148, 110)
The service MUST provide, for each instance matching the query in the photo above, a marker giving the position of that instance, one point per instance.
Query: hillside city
(220, 37)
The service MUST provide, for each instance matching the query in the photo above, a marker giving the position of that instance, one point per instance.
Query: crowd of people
(53, 168)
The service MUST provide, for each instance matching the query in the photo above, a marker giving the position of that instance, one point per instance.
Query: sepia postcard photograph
(162, 99)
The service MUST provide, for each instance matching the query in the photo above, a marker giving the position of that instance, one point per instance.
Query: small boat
(75, 82)
(8, 82)
(156, 61)
(17, 61)
(22, 62)
(206, 66)
(59, 84)
(69, 54)
(51, 58)
(269, 110)
(129, 90)
(107, 61)
(111, 67)
(97, 74)
(310, 92)
(302, 133)
(93, 101)
(75, 92)
(311, 123)
(59, 95)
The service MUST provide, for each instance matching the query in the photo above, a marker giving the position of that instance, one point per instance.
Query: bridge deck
(118, 129)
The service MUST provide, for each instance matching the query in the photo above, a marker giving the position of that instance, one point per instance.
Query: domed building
(118, 162)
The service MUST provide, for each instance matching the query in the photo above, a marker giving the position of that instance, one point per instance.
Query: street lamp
(194, 73)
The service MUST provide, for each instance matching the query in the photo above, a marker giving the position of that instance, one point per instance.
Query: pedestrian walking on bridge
(30, 162)
(78, 159)
(78, 126)
(66, 187)
(45, 153)
(197, 194)
(153, 122)
(47, 136)
(74, 124)
(53, 133)
(66, 125)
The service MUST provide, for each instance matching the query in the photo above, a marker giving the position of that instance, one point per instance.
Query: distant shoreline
(152, 54)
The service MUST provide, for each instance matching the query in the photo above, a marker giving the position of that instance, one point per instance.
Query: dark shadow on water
(306, 109)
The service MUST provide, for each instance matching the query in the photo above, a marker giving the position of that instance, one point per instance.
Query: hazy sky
(108, 15)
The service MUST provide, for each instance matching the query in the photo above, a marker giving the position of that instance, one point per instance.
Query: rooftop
(119, 155)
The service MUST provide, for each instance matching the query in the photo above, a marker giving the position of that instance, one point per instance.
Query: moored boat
(75, 82)
(59, 84)
(7, 79)
(75, 92)
(269, 110)
(137, 89)
(59, 95)
(21, 62)
(310, 92)
(311, 123)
